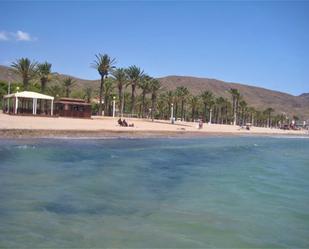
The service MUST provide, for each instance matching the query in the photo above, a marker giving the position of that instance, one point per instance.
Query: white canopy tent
(27, 95)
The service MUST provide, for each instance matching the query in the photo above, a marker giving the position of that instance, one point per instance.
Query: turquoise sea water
(223, 192)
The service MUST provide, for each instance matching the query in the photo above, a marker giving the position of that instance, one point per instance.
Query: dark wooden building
(75, 108)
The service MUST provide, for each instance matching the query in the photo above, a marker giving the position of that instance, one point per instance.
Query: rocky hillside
(6, 75)
(257, 97)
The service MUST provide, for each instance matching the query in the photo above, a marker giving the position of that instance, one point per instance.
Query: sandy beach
(29, 126)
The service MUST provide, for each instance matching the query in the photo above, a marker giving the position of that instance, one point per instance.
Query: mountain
(260, 98)
(7, 75)
(304, 97)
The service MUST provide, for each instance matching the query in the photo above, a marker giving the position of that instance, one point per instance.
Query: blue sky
(259, 43)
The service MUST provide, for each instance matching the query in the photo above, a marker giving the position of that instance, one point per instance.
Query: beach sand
(31, 126)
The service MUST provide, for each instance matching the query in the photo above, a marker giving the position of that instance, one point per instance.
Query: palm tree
(68, 83)
(182, 94)
(162, 107)
(252, 113)
(56, 91)
(211, 104)
(235, 98)
(26, 69)
(170, 97)
(194, 101)
(88, 94)
(259, 116)
(165, 101)
(144, 85)
(44, 73)
(121, 78)
(155, 86)
(135, 75)
(227, 108)
(243, 108)
(104, 65)
(108, 94)
(126, 100)
(268, 112)
(220, 106)
(207, 99)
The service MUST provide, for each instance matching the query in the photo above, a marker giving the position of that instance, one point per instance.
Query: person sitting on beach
(124, 123)
(120, 122)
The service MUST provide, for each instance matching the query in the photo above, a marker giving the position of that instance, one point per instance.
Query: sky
(259, 43)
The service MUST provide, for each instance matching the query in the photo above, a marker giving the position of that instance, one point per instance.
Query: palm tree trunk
(101, 95)
(215, 111)
(193, 111)
(226, 114)
(122, 104)
(221, 115)
(234, 111)
(133, 99)
(169, 109)
(182, 105)
(106, 105)
(153, 107)
(205, 112)
(143, 104)
(120, 98)
(26, 84)
(43, 86)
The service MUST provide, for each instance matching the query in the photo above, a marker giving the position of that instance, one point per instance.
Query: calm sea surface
(219, 192)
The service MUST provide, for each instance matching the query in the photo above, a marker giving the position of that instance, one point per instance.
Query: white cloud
(16, 36)
(3, 36)
(23, 36)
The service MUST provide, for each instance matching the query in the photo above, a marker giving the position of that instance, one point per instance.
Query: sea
(210, 192)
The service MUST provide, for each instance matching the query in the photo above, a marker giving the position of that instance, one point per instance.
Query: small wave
(79, 138)
(25, 147)
(290, 137)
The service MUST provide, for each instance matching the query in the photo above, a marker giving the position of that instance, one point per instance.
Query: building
(28, 103)
(75, 108)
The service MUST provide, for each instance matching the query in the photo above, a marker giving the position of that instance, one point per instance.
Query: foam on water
(216, 192)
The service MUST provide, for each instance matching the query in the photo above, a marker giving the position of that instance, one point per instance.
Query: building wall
(73, 110)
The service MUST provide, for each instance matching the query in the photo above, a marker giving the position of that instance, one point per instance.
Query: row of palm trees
(214, 109)
(123, 77)
(31, 71)
(147, 98)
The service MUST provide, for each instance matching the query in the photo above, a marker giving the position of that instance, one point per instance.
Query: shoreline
(101, 134)
(107, 127)
(115, 134)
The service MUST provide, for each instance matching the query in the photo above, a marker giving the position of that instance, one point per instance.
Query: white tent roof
(29, 95)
